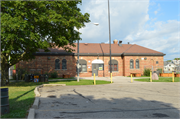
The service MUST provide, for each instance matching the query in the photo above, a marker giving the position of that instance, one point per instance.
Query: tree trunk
(4, 73)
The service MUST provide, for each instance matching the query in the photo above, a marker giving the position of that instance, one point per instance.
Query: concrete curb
(31, 114)
(36, 103)
(54, 84)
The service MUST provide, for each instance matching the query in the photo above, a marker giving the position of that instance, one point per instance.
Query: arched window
(64, 66)
(57, 64)
(137, 64)
(114, 65)
(131, 64)
(82, 65)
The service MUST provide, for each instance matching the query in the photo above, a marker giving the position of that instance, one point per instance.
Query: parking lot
(121, 99)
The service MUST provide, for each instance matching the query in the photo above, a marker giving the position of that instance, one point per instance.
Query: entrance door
(95, 69)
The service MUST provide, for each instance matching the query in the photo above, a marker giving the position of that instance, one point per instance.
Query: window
(101, 66)
(157, 62)
(131, 64)
(137, 64)
(82, 65)
(64, 66)
(114, 65)
(57, 64)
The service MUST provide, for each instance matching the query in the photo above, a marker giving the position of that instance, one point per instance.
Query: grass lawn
(141, 76)
(161, 79)
(21, 99)
(21, 95)
(145, 76)
(62, 78)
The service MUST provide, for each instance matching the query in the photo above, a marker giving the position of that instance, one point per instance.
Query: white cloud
(125, 18)
(129, 24)
(155, 12)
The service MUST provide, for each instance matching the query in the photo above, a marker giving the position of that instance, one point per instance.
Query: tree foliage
(27, 26)
(176, 58)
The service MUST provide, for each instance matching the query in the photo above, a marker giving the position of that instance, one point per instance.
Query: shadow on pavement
(77, 105)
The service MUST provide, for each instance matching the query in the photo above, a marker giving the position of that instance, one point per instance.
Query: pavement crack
(82, 96)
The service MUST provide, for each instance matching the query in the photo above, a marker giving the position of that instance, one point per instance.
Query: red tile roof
(97, 48)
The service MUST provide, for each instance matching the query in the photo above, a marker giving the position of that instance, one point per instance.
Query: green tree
(169, 61)
(27, 26)
(176, 58)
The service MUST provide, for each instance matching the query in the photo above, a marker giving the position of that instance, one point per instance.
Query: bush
(159, 70)
(21, 73)
(54, 75)
(14, 76)
(46, 73)
(147, 72)
(36, 73)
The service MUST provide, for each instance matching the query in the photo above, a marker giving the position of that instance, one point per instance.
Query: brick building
(94, 58)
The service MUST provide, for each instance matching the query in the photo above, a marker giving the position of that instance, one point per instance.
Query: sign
(100, 68)
(36, 78)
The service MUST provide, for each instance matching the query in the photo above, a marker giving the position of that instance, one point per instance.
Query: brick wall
(151, 61)
(42, 64)
(105, 72)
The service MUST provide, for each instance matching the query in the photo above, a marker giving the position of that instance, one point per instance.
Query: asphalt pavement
(121, 99)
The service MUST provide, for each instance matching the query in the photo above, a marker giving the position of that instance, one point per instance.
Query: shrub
(159, 70)
(147, 72)
(46, 73)
(54, 75)
(21, 73)
(36, 73)
(14, 76)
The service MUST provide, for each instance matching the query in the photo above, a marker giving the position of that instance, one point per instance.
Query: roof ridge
(101, 48)
(127, 49)
(147, 48)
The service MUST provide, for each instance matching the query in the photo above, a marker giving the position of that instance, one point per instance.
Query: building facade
(94, 59)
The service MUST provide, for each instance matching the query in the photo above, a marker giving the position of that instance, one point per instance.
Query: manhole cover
(160, 115)
(52, 96)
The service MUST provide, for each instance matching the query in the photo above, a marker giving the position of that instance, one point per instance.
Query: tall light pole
(109, 41)
(78, 56)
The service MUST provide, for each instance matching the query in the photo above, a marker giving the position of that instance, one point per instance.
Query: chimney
(128, 42)
(120, 43)
(115, 41)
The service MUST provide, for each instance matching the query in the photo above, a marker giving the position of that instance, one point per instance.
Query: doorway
(95, 69)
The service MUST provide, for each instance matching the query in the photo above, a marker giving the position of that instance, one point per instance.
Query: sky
(154, 24)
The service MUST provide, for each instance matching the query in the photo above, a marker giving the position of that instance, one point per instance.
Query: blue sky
(150, 23)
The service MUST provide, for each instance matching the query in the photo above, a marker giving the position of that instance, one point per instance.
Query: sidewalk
(116, 79)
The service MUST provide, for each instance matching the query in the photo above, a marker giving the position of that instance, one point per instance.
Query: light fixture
(96, 24)
(98, 57)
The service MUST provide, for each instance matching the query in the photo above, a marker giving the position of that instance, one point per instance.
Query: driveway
(121, 99)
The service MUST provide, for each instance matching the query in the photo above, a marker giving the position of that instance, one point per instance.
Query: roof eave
(143, 54)
(51, 53)
(100, 54)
